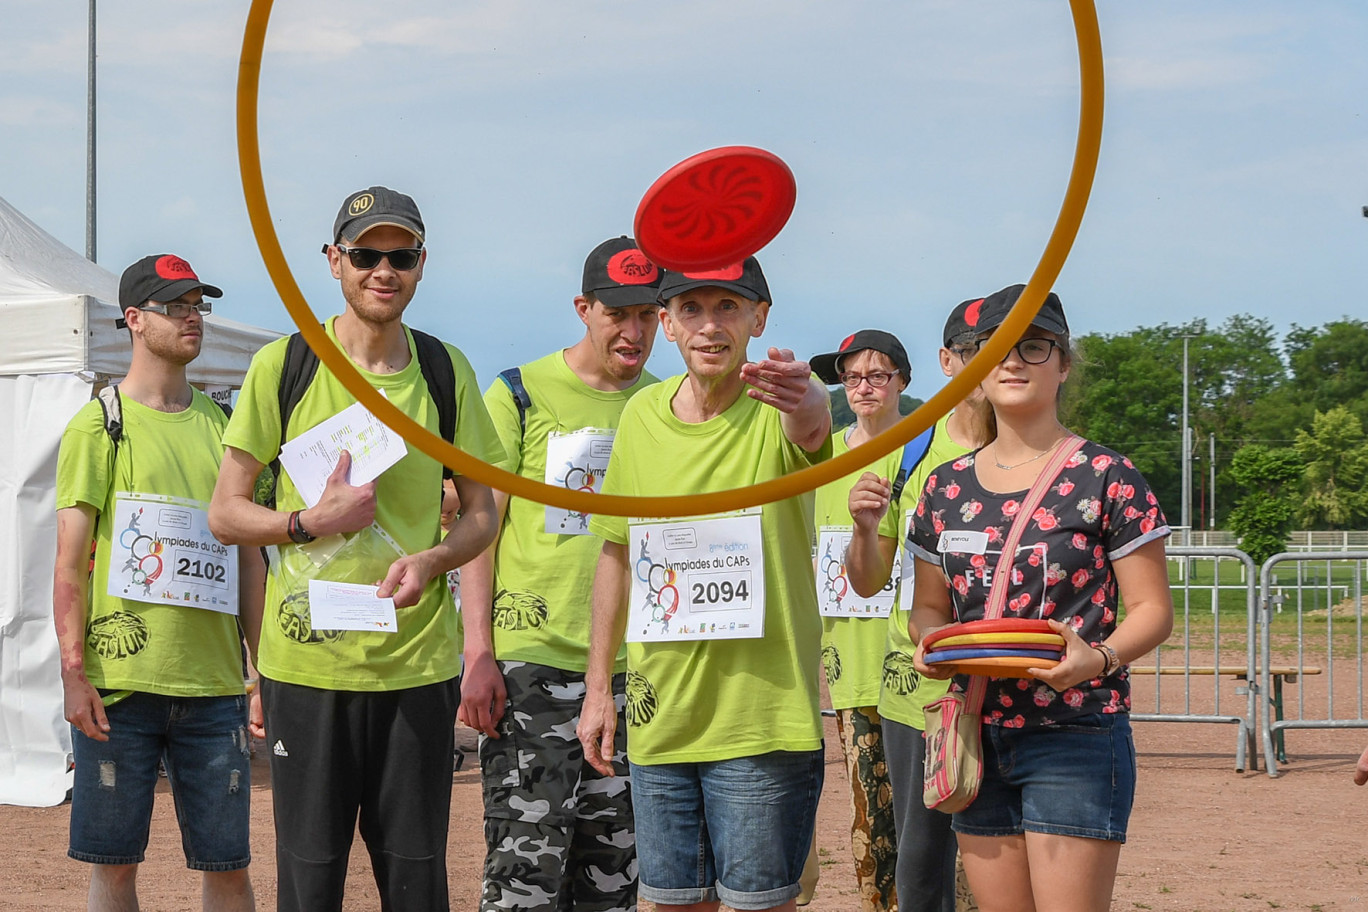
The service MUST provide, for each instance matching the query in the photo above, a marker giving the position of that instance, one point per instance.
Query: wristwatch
(1113, 661)
(300, 536)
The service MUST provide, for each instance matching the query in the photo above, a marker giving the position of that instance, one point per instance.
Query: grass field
(1210, 598)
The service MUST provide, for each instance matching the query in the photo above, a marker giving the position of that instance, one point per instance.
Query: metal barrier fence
(1239, 662)
(1320, 577)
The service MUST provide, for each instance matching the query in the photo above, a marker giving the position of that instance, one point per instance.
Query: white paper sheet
(310, 458)
(350, 606)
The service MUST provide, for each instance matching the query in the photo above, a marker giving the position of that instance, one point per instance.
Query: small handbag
(954, 723)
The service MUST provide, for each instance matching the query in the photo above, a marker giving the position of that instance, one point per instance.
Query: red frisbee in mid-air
(715, 208)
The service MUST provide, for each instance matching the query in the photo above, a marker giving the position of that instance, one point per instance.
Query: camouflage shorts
(873, 838)
(560, 836)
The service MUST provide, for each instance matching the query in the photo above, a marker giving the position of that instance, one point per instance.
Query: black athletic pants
(386, 755)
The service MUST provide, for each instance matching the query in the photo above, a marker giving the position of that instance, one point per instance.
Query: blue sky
(931, 142)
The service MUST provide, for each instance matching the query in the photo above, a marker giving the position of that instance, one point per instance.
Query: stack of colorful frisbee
(1000, 648)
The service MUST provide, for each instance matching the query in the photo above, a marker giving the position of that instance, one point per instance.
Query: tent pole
(90, 141)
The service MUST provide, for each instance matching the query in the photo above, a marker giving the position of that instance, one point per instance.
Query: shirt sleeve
(255, 426)
(503, 412)
(1131, 513)
(84, 460)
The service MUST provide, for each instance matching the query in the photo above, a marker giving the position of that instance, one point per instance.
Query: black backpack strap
(435, 363)
(301, 364)
(913, 453)
(512, 378)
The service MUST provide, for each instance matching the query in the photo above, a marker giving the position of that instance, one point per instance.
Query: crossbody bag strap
(1002, 575)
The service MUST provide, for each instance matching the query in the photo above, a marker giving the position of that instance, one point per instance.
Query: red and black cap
(161, 277)
(999, 304)
(366, 209)
(827, 366)
(744, 278)
(619, 274)
(963, 321)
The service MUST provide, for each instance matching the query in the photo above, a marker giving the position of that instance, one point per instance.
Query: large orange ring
(1042, 279)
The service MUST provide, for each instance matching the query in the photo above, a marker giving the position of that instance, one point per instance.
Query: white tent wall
(57, 313)
(34, 738)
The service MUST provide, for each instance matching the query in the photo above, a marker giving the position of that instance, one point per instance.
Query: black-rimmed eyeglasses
(1030, 351)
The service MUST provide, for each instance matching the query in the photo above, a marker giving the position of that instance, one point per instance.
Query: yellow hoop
(1042, 279)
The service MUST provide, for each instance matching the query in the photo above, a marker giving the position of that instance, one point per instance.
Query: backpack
(301, 364)
(111, 404)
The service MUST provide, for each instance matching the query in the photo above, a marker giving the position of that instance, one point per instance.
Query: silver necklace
(1008, 468)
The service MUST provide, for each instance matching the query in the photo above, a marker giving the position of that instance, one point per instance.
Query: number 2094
(719, 590)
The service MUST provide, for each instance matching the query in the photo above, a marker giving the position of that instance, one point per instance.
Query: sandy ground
(1204, 838)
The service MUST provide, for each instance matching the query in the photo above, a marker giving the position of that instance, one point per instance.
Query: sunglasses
(403, 258)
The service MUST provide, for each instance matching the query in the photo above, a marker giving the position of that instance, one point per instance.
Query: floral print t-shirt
(1097, 511)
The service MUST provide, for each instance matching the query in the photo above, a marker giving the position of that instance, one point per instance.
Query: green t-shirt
(173, 650)
(853, 647)
(905, 693)
(721, 699)
(543, 582)
(427, 646)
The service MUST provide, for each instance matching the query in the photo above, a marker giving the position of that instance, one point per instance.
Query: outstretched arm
(787, 384)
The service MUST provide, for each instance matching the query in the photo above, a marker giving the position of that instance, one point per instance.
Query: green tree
(1335, 487)
(1330, 365)
(1263, 515)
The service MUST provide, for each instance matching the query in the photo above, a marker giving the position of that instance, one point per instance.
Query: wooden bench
(1279, 674)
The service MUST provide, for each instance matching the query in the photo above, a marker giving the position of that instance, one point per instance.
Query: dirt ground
(1203, 837)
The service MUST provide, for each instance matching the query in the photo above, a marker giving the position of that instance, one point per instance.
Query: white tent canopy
(59, 341)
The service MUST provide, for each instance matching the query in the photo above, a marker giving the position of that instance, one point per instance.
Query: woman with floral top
(1059, 761)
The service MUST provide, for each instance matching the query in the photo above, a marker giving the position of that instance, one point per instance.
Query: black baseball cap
(744, 278)
(997, 305)
(619, 274)
(160, 277)
(963, 321)
(827, 366)
(366, 209)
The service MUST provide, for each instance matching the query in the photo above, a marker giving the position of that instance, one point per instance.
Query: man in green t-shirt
(526, 606)
(151, 650)
(360, 703)
(723, 636)
(925, 874)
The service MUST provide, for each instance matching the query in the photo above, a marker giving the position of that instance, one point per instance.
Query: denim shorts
(1076, 778)
(203, 743)
(735, 830)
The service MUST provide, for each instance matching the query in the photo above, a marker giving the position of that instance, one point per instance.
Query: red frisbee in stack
(715, 208)
(999, 648)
